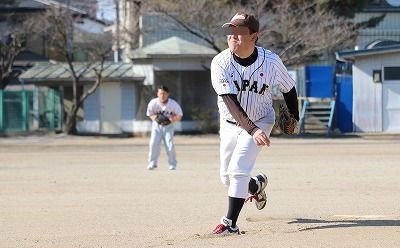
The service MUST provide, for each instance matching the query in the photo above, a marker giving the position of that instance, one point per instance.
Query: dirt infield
(96, 192)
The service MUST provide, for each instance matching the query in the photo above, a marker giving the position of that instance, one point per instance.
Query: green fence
(30, 110)
(50, 109)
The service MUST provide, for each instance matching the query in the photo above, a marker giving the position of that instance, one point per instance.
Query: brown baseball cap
(244, 20)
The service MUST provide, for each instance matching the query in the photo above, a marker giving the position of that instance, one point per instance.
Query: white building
(387, 29)
(376, 88)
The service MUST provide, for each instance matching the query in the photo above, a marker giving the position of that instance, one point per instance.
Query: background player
(243, 76)
(164, 112)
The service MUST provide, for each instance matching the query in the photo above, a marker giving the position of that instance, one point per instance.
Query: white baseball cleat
(151, 167)
(171, 167)
(260, 197)
(226, 227)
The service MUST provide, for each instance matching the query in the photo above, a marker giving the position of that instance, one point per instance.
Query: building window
(391, 73)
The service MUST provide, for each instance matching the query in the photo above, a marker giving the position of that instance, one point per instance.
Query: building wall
(156, 27)
(388, 28)
(367, 95)
(118, 102)
(192, 89)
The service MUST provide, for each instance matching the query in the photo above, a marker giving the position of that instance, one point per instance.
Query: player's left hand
(287, 123)
(261, 138)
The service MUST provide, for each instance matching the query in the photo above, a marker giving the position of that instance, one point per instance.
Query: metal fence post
(52, 108)
(24, 110)
(61, 106)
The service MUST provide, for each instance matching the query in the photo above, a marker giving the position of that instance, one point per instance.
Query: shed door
(110, 104)
(391, 99)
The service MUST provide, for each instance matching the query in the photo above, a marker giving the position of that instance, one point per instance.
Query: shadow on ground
(327, 224)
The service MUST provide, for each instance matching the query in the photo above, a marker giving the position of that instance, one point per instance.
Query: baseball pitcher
(243, 76)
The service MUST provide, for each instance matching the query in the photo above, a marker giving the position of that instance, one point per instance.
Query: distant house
(183, 66)
(387, 29)
(37, 45)
(156, 27)
(37, 48)
(120, 107)
(111, 109)
(180, 60)
(32, 103)
(170, 55)
(376, 88)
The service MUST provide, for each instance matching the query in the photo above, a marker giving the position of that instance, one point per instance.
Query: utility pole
(134, 24)
(69, 30)
(117, 55)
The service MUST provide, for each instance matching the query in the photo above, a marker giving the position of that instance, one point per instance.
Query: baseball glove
(287, 123)
(162, 120)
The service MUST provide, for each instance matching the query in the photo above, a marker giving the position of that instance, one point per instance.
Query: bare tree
(10, 46)
(296, 30)
(302, 31)
(131, 25)
(198, 17)
(58, 23)
(126, 29)
(13, 33)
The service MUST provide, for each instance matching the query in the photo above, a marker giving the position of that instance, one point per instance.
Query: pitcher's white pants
(238, 153)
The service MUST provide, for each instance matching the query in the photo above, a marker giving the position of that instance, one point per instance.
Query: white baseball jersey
(171, 108)
(252, 84)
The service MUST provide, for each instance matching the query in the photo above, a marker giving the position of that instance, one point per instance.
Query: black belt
(232, 122)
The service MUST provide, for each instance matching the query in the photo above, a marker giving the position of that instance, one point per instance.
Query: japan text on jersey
(252, 84)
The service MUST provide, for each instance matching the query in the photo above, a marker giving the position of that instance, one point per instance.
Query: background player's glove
(162, 120)
(287, 123)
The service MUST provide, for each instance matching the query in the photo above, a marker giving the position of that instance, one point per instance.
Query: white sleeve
(178, 109)
(284, 80)
(220, 79)
(150, 108)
